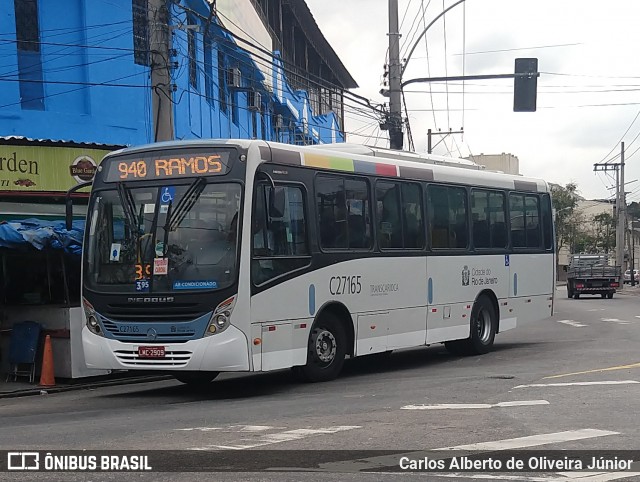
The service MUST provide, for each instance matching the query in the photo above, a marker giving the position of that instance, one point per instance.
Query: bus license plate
(151, 351)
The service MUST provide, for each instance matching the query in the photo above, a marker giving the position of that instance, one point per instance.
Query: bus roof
(367, 160)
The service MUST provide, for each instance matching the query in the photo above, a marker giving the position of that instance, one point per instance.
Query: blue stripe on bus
(430, 290)
(515, 284)
(364, 167)
(312, 299)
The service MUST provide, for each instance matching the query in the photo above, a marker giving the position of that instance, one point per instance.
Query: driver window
(278, 234)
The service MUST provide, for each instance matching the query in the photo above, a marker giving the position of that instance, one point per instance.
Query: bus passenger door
(372, 332)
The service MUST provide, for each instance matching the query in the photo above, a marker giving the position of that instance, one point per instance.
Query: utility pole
(622, 216)
(161, 89)
(431, 133)
(395, 80)
(620, 207)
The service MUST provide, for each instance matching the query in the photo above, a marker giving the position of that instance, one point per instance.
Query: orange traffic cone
(46, 373)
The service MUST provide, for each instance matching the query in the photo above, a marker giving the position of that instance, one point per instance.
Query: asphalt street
(570, 382)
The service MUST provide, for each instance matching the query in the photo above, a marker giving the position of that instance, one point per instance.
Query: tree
(605, 232)
(565, 200)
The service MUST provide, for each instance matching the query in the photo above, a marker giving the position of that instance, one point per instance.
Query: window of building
(193, 60)
(447, 208)
(525, 221)
(29, 60)
(488, 212)
(279, 232)
(140, 32)
(344, 212)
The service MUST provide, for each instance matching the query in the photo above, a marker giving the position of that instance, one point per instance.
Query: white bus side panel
(386, 298)
(453, 284)
(531, 286)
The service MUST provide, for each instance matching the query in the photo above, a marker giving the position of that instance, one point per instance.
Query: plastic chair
(23, 347)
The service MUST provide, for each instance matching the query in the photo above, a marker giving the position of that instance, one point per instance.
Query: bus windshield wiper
(129, 206)
(186, 203)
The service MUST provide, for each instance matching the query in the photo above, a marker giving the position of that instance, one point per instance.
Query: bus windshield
(163, 238)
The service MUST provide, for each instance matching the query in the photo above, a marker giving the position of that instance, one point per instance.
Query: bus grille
(141, 337)
(171, 359)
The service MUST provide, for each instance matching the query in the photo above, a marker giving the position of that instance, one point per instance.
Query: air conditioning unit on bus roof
(399, 155)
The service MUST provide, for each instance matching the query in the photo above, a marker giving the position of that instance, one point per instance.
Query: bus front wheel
(195, 379)
(326, 350)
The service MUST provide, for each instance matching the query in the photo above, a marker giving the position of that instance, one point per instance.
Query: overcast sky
(588, 91)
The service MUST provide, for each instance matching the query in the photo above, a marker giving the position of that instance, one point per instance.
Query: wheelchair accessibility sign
(167, 194)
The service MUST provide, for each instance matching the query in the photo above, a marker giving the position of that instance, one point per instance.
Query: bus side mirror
(68, 202)
(276, 202)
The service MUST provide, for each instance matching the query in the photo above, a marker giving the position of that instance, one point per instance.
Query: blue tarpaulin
(42, 234)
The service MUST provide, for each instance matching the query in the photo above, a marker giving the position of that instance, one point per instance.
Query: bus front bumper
(226, 351)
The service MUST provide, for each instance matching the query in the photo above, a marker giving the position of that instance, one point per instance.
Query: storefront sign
(46, 168)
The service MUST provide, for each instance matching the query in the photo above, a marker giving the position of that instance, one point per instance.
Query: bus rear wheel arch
(483, 329)
(326, 349)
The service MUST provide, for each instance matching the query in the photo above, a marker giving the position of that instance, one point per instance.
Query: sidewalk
(23, 388)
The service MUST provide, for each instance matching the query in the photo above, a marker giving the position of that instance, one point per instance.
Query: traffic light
(525, 85)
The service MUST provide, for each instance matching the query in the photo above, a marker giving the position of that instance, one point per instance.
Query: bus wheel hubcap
(484, 326)
(326, 346)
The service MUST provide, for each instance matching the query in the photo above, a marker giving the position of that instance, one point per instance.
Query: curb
(80, 386)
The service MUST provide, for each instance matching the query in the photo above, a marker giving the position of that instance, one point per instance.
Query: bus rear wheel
(196, 379)
(483, 330)
(326, 350)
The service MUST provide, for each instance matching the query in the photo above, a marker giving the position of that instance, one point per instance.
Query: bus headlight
(221, 318)
(92, 318)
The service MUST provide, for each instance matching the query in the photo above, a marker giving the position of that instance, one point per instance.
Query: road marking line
(380, 461)
(596, 370)
(534, 440)
(231, 428)
(572, 323)
(569, 384)
(462, 406)
(616, 320)
(287, 436)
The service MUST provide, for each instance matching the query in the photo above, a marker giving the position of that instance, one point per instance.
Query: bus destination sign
(167, 165)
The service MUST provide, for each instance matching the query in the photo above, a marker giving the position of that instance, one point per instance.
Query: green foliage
(565, 200)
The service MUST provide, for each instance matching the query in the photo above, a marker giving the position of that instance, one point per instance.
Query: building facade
(80, 70)
(507, 163)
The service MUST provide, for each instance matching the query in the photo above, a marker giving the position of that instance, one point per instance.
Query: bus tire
(326, 350)
(483, 330)
(484, 322)
(196, 379)
(576, 296)
(610, 295)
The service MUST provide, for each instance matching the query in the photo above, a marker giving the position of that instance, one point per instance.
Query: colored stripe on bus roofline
(327, 162)
(350, 165)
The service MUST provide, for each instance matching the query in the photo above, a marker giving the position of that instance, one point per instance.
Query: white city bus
(203, 257)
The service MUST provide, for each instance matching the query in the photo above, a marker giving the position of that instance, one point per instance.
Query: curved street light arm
(424, 32)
